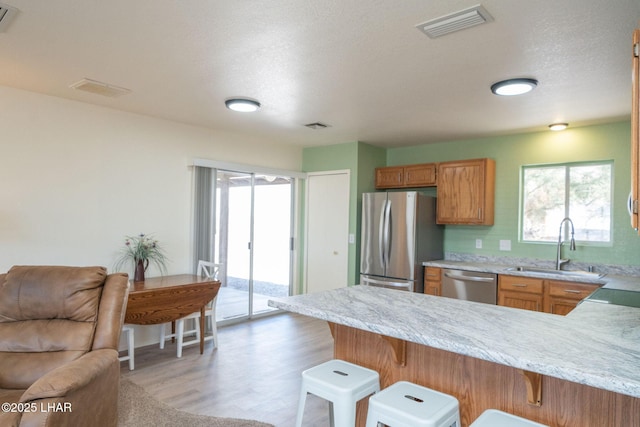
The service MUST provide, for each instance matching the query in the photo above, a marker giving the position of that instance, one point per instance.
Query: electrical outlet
(352, 238)
(478, 243)
(505, 245)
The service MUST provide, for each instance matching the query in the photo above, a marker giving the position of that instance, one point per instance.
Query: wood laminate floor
(254, 373)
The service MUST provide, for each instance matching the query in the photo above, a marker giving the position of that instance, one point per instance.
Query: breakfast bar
(575, 370)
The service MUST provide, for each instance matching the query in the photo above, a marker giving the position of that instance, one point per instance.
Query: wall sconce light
(558, 126)
(513, 87)
(243, 105)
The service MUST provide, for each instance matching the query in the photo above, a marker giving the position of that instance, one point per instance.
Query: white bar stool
(343, 384)
(495, 418)
(405, 404)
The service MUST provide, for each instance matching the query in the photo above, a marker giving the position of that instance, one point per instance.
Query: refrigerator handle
(381, 241)
(387, 234)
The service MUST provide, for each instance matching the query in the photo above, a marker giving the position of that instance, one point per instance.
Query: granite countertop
(612, 281)
(596, 344)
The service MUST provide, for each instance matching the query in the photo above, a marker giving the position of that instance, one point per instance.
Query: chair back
(208, 269)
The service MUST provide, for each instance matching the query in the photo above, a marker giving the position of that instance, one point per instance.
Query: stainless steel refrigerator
(399, 233)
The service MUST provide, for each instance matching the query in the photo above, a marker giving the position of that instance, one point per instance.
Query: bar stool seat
(405, 404)
(343, 384)
(495, 418)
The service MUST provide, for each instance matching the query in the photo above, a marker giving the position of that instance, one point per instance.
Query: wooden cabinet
(521, 292)
(635, 131)
(562, 297)
(420, 175)
(466, 192)
(433, 281)
(550, 296)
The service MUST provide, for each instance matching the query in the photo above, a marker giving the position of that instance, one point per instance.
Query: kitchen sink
(574, 273)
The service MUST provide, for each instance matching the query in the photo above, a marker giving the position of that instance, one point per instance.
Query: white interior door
(327, 231)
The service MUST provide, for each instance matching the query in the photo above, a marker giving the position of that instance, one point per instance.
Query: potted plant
(140, 250)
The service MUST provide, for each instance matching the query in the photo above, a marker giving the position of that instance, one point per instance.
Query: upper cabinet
(466, 192)
(635, 130)
(422, 175)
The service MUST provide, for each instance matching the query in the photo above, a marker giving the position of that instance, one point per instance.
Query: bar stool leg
(345, 414)
(301, 402)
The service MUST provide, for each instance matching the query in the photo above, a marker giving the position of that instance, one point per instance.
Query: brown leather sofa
(59, 335)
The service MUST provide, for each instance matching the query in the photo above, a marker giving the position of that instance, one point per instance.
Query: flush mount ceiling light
(558, 126)
(513, 86)
(243, 105)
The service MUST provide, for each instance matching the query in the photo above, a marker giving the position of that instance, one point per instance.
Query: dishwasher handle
(469, 278)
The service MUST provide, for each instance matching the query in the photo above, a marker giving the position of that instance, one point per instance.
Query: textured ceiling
(360, 66)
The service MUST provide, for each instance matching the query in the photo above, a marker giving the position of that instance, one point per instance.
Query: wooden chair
(209, 270)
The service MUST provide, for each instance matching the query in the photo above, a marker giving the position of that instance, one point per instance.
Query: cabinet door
(466, 192)
(522, 300)
(635, 130)
(560, 306)
(520, 292)
(390, 177)
(420, 175)
(433, 281)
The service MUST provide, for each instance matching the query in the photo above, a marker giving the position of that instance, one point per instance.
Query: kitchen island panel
(479, 384)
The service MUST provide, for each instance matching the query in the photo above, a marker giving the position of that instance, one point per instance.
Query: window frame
(567, 183)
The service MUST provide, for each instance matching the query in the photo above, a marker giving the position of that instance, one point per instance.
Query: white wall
(76, 178)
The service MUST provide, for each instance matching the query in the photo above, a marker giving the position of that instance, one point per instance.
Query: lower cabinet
(562, 297)
(520, 292)
(550, 296)
(433, 281)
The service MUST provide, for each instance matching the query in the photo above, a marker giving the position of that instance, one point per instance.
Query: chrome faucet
(572, 245)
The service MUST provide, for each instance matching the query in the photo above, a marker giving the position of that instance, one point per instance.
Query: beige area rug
(137, 408)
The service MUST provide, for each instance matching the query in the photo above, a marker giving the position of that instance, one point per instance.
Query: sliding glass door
(272, 239)
(252, 240)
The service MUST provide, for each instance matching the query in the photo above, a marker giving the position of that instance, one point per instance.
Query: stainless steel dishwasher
(470, 286)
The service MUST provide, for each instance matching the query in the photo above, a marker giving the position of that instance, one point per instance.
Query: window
(580, 191)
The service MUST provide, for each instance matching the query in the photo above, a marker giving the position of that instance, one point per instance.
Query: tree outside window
(581, 191)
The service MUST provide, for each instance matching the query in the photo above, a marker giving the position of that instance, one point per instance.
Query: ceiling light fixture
(558, 126)
(513, 86)
(243, 105)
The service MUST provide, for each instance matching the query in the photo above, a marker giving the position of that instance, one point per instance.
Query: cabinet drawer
(432, 273)
(520, 284)
(577, 291)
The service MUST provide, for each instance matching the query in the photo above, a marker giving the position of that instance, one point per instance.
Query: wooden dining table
(164, 299)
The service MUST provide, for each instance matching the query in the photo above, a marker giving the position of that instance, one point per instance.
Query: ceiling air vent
(100, 88)
(457, 21)
(7, 13)
(317, 125)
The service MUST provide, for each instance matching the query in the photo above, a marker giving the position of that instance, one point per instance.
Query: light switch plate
(478, 243)
(352, 238)
(505, 245)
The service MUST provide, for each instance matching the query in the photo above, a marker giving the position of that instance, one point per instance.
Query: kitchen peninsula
(576, 370)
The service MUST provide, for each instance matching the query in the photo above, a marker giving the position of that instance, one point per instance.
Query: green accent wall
(361, 160)
(600, 142)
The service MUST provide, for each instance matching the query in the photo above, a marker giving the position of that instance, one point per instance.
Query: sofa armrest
(83, 392)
